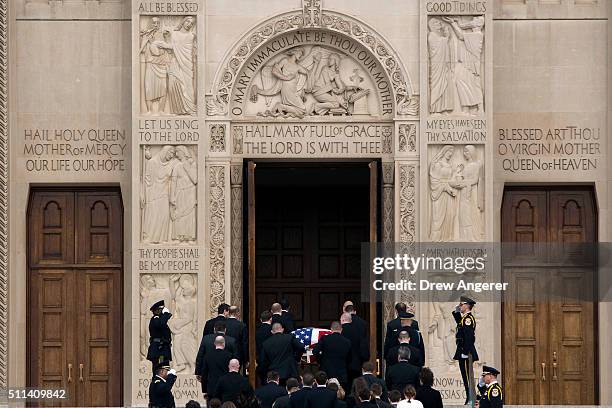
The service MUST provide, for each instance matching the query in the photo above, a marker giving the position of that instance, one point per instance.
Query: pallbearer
(160, 389)
(465, 338)
(160, 340)
(490, 391)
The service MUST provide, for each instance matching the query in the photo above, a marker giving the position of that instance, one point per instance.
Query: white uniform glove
(172, 371)
(165, 310)
(464, 356)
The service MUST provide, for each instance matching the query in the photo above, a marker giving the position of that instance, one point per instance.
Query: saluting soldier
(465, 338)
(160, 336)
(160, 389)
(491, 395)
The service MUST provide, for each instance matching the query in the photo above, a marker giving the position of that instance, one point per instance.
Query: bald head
(346, 318)
(220, 342)
(277, 328)
(336, 327)
(234, 365)
(276, 308)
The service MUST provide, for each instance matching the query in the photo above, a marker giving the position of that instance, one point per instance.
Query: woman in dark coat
(429, 397)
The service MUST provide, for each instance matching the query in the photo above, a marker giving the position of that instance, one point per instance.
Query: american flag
(309, 336)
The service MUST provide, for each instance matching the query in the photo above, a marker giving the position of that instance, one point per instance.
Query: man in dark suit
(429, 397)
(281, 353)
(286, 320)
(333, 353)
(208, 344)
(284, 402)
(349, 307)
(465, 338)
(369, 376)
(238, 330)
(270, 392)
(263, 333)
(233, 386)
(160, 336)
(222, 313)
(215, 365)
(321, 396)
(160, 388)
(359, 346)
(393, 328)
(286, 313)
(298, 398)
(404, 321)
(403, 373)
(404, 341)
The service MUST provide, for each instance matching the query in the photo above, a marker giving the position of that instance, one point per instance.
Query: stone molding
(406, 100)
(4, 179)
(217, 237)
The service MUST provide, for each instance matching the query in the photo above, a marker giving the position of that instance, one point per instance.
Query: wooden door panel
(101, 333)
(557, 329)
(51, 229)
(99, 216)
(51, 341)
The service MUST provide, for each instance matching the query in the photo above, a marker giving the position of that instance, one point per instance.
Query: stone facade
(167, 99)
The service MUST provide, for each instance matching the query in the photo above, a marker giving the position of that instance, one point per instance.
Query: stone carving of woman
(471, 197)
(440, 63)
(286, 77)
(183, 198)
(155, 200)
(468, 67)
(181, 71)
(443, 196)
(147, 287)
(156, 60)
(443, 328)
(183, 322)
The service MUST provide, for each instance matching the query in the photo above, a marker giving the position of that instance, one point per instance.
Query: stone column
(237, 228)
(455, 151)
(169, 205)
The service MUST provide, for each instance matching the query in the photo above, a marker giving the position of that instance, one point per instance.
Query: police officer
(465, 337)
(490, 391)
(159, 335)
(160, 389)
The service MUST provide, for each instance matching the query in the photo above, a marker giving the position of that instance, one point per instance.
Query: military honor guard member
(465, 338)
(491, 395)
(160, 389)
(160, 337)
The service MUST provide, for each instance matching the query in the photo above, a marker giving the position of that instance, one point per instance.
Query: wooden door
(549, 318)
(75, 300)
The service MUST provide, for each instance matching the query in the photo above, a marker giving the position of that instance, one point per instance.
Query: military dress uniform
(160, 337)
(160, 389)
(465, 337)
(491, 395)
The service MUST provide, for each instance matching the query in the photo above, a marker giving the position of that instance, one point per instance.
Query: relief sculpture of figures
(468, 69)
(457, 196)
(168, 195)
(308, 81)
(455, 46)
(169, 55)
(183, 200)
(183, 323)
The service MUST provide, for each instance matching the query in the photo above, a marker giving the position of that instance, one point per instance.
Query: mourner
(368, 371)
(215, 365)
(465, 338)
(222, 313)
(298, 399)
(263, 332)
(286, 314)
(403, 373)
(416, 357)
(284, 402)
(160, 389)
(321, 396)
(333, 354)
(359, 346)
(349, 307)
(207, 345)
(238, 330)
(281, 353)
(267, 394)
(491, 395)
(286, 320)
(430, 397)
(160, 336)
(233, 386)
(393, 328)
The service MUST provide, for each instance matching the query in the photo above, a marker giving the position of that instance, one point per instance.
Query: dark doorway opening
(310, 222)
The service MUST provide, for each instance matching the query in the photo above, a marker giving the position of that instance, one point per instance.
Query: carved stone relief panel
(407, 138)
(407, 237)
(455, 47)
(217, 176)
(168, 194)
(456, 193)
(311, 80)
(168, 65)
(179, 292)
(237, 231)
(216, 135)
